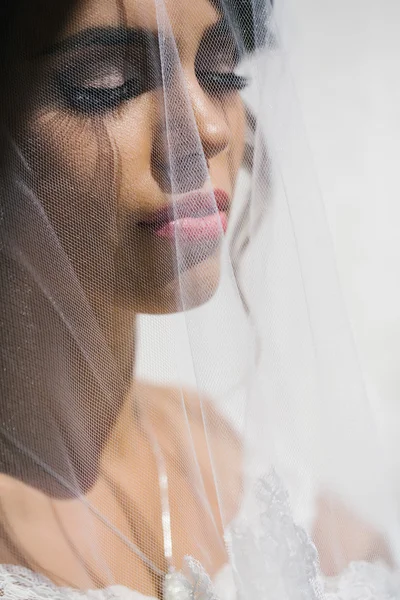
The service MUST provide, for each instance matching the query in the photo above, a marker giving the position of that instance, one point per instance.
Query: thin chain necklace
(175, 585)
(165, 509)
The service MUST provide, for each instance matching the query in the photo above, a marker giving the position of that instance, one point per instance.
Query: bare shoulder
(189, 425)
(16, 498)
(341, 537)
(16, 493)
(177, 406)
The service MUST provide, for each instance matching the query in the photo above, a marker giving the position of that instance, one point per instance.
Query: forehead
(188, 19)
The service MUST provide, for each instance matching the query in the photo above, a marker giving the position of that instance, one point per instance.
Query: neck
(100, 408)
(68, 396)
(118, 331)
(122, 343)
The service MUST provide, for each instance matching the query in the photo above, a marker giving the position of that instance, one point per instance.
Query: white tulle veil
(239, 369)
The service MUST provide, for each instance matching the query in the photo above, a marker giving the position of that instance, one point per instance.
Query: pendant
(177, 587)
(192, 583)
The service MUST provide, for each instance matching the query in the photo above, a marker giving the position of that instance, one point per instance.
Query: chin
(195, 285)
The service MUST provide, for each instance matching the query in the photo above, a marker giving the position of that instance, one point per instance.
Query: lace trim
(276, 559)
(364, 581)
(272, 559)
(361, 581)
(18, 583)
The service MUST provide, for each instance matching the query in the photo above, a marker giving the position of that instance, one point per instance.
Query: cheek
(68, 154)
(133, 137)
(236, 118)
(73, 164)
(87, 173)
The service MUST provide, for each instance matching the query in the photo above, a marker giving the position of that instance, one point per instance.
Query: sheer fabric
(168, 300)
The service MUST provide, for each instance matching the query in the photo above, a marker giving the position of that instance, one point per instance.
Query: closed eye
(220, 83)
(217, 59)
(99, 69)
(96, 100)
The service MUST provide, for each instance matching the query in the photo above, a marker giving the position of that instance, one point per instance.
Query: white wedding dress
(275, 560)
(361, 581)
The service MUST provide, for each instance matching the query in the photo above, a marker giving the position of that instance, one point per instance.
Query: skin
(104, 174)
(98, 176)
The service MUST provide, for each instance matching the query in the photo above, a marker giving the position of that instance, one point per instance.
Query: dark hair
(22, 24)
(241, 13)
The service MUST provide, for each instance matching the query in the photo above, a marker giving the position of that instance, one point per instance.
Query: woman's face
(137, 106)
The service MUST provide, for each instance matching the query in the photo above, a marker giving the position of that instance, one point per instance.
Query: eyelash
(221, 83)
(90, 100)
(94, 101)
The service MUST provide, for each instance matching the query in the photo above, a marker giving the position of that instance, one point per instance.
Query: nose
(211, 121)
(192, 131)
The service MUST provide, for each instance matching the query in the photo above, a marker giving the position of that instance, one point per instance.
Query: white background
(345, 61)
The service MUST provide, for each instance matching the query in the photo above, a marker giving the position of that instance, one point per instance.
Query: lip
(192, 217)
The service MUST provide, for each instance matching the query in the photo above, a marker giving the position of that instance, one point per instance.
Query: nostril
(182, 173)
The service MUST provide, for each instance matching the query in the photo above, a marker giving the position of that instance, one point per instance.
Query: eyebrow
(124, 36)
(222, 31)
(103, 36)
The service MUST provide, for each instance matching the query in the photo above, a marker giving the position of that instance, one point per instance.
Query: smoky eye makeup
(97, 70)
(217, 60)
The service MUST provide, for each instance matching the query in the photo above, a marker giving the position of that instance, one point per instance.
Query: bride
(128, 148)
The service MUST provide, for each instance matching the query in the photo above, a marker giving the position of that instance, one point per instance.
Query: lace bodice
(17, 583)
(361, 581)
(274, 560)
